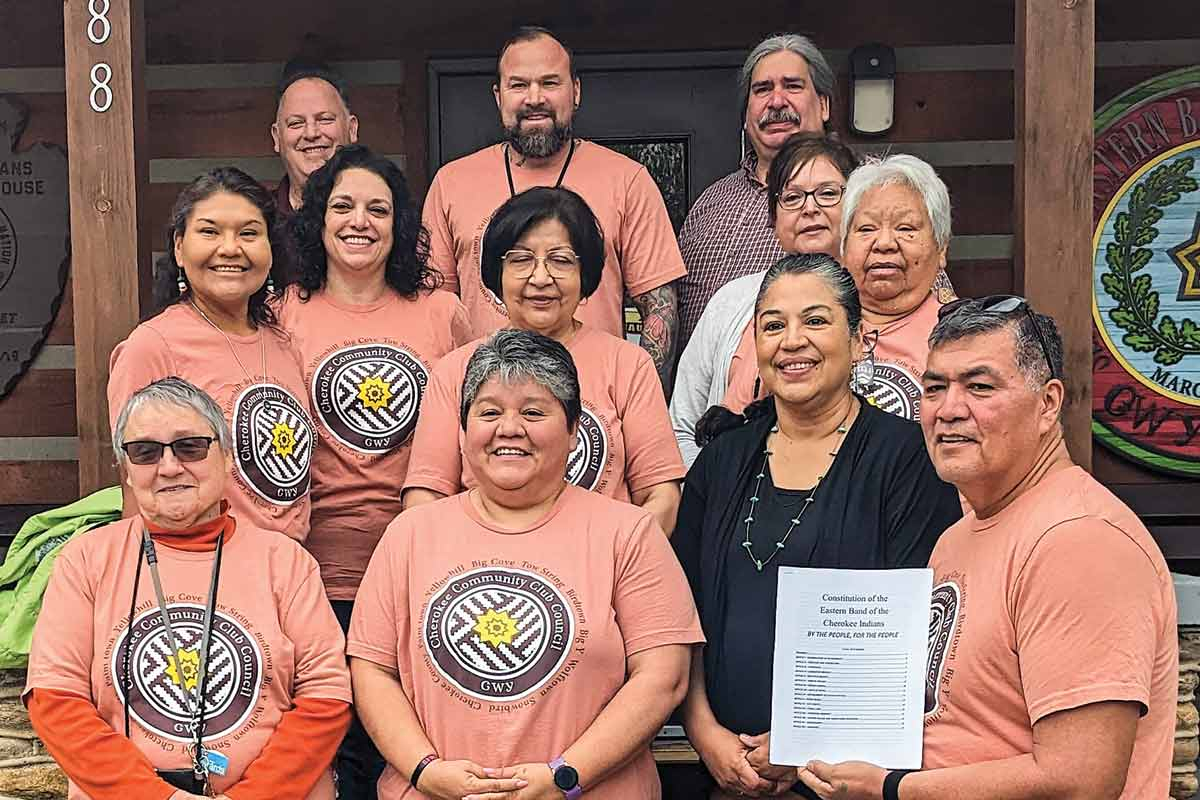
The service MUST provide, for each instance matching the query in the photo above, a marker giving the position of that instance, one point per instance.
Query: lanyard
(512, 190)
(195, 704)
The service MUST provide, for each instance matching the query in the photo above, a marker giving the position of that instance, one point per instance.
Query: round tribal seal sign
(1146, 274)
(896, 391)
(160, 681)
(368, 396)
(273, 440)
(589, 457)
(498, 634)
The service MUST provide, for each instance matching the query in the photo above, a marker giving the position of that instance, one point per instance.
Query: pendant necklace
(262, 338)
(759, 563)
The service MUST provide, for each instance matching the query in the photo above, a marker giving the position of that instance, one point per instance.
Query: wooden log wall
(211, 101)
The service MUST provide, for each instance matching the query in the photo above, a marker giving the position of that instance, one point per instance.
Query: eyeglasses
(1003, 304)
(187, 448)
(559, 263)
(830, 194)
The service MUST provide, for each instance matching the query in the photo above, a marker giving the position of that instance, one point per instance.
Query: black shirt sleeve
(689, 525)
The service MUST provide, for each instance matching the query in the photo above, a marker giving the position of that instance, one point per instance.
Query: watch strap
(576, 791)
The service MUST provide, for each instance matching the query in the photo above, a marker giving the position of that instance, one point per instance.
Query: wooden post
(110, 257)
(1055, 75)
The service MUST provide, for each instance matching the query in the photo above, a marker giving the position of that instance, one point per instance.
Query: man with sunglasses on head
(1053, 662)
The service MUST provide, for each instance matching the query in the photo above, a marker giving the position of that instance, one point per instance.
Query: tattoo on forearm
(660, 322)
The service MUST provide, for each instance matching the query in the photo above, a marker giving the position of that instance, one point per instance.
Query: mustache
(773, 115)
(525, 113)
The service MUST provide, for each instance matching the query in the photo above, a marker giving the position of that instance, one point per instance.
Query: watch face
(565, 777)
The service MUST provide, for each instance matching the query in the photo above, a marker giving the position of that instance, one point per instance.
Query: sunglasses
(1004, 304)
(187, 448)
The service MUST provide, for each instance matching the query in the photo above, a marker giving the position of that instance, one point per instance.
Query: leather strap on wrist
(891, 783)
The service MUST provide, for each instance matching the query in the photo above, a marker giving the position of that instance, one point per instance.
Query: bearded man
(537, 92)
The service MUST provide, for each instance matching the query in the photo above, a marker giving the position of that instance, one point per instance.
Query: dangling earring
(182, 282)
(270, 285)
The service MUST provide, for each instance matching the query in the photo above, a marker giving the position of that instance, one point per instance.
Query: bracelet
(891, 783)
(421, 765)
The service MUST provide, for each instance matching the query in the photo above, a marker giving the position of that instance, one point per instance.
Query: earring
(270, 285)
(182, 283)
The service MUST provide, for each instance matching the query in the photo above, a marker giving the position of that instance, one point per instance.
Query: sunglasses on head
(187, 448)
(1003, 304)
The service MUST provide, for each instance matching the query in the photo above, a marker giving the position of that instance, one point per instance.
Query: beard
(538, 144)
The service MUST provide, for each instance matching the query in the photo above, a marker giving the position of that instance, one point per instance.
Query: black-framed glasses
(826, 195)
(187, 448)
(1004, 304)
(559, 263)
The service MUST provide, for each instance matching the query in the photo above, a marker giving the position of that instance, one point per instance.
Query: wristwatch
(566, 779)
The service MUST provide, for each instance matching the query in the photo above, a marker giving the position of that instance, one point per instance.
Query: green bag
(30, 560)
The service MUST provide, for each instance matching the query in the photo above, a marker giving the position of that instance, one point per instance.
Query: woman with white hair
(895, 231)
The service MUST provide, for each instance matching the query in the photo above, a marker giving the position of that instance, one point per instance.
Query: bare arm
(661, 500)
(660, 323)
(1079, 754)
(417, 496)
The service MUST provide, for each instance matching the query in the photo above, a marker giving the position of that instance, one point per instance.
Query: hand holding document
(849, 672)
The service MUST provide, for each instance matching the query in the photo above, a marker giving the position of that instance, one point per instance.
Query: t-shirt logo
(160, 681)
(493, 301)
(273, 440)
(895, 390)
(368, 396)
(588, 458)
(498, 634)
(943, 623)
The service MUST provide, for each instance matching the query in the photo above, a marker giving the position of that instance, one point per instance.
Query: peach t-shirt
(273, 434)
(509, 643)
(641, 252)
(274, 639)
(366, 368)
(1059, 600)
(900, 355)
(625, 442)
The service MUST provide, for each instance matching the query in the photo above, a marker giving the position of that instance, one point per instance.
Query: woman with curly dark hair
(369, 323)
(216, 328)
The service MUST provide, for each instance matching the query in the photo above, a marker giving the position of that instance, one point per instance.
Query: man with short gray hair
(786, 88)
(1053, 663)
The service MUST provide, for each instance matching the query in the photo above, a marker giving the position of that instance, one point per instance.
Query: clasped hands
(466, 780)
(742, 766)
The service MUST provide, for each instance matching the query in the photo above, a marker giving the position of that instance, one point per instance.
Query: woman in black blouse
(815, 477)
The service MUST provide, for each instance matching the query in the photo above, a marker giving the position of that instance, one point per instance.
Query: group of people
(406, 517)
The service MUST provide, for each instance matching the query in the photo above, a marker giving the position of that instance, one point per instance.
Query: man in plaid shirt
(788, 87)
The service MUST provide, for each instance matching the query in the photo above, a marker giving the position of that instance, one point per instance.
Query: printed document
(850, 653)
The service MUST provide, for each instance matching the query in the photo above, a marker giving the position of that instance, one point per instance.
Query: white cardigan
(703, 374)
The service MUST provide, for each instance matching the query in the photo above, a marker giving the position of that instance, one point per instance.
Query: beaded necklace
(759, 563)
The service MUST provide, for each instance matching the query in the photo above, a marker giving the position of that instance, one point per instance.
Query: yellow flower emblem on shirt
(496, 628)
(375, 392)
(184, 668)
(283, 439)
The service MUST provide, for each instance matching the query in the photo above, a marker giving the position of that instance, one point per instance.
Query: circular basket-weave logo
(498, 634)
(368, 396)
(8, 248)
(896, 391)
(943, 621)
(273, 439)
(1146, 274)
(161, 681)
(588, 458)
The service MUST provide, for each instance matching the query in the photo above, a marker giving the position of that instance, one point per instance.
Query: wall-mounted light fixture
(872, 89)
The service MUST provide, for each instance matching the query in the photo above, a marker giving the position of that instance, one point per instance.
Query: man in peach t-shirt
(1053, 663)
(538, 92)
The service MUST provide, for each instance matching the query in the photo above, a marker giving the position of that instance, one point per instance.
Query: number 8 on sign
(101, 85)
(99, 15)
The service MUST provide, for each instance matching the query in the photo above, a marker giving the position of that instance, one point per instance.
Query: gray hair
(515, 356)
(176, 392)
(822, 74)
(836, 277)
(904, 170)
(971, 319)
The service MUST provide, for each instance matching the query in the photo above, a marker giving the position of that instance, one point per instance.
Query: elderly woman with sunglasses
(543, 255)
(183, 652)
(804, 204)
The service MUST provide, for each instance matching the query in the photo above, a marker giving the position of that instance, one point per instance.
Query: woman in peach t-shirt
(526, 634)
(543, 254)
(218, 330)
